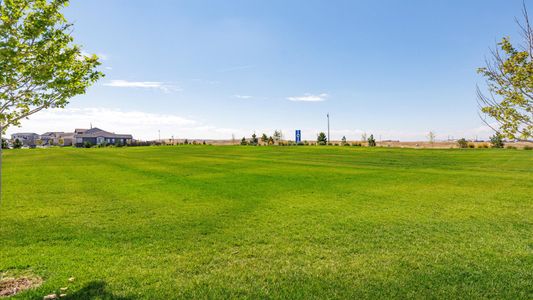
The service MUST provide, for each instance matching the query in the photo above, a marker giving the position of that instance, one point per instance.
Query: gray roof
(97, 132)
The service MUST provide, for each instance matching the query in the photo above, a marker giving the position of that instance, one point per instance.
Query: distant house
(26, 138)
(57, 138)
(97, 136)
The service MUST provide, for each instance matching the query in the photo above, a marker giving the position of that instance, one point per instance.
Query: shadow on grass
(95, 290)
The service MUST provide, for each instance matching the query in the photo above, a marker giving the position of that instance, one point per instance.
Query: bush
(462, 143)
(346, 144)
(480, 146)
(510, 147)
(471, 145)
(244, 142)
(17, 144)
(497, 141)
(357, 144)
(371, 141)
(528, 147)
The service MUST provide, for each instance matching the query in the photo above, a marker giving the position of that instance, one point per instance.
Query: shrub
(510, 147)
(462, 143)
(528, 147)
(480, 146)
(322, 139)
(357, 144)
(471, 145)
(371, 141)
(497, 141)
(346, 144)
(87, 145)
(17, 144)
(244, 142)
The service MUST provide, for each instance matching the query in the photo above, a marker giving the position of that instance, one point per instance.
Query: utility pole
(159, 133)
(329, 141)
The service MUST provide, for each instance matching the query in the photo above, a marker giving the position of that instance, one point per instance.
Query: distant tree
(254, 141)
(244, 142)
(431, 137)
(271, 141)
(186, 142)
(371, 141)
(203, 143)
(497, 141)
(233, 139)
(364, 137)
(462, 143)
(509, 79)
(343, 140)
(322, 139)
(264, 139)
(277, 136)
(17, 144)
(4, 144)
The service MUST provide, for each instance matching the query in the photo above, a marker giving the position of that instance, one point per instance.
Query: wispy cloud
(243, 96)
(309, 98)
(143, 85)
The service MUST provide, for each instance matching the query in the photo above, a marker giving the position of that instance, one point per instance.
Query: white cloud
(242, 96)
(143, 85)
(309, 98)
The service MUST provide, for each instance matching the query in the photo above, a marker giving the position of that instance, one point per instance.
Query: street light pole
(329, 141)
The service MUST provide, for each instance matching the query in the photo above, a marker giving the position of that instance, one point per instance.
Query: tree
(497, 141)
(363, 137)
(17, 144)
(4, 144)
(343, 140)
(277, 136)
(264, 139)
(254, 141)
(431, 137)
(244, 142)
(462, 143)
(40, 67)
(509, 80)
(371, 141)
(322, 139)
(270, 141)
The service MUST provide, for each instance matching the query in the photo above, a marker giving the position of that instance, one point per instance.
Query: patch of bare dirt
(10, 286)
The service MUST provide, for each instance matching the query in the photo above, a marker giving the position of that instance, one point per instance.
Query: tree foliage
(371, 141)
(322, 139)
(509, 79)
(497, 141)
(40, 67)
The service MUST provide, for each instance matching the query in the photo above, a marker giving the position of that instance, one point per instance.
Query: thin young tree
(40, 66)
(264, 139)
(509, 80)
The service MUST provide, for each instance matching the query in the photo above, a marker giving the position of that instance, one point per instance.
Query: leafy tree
(40, 67)
(509, 79)
(277, 136)
(186, 142)
(264, 138)
(17, 144)
(271, 141)
(244, 142)
(4, 144)
(371, 141)
(254, 141)
(343, 140)
(322, 139)
(462, 143)
(497, 141)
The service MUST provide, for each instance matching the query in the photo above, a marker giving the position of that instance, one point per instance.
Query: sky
(212, 69)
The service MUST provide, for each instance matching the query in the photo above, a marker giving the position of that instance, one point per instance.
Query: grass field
(270, 222)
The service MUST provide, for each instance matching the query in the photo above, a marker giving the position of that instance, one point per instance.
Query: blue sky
(210, 69)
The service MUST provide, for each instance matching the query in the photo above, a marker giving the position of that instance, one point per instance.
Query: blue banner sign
(298, 136)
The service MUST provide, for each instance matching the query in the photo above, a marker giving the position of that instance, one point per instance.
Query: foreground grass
(270, 222)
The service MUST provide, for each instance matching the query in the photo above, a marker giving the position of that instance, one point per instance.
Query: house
(97, 136)
(26, 138)
(57, 139)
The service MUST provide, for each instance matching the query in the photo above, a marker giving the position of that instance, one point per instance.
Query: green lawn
(270, 222)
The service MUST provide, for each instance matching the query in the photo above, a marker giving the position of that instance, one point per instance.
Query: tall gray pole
(329, 141)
